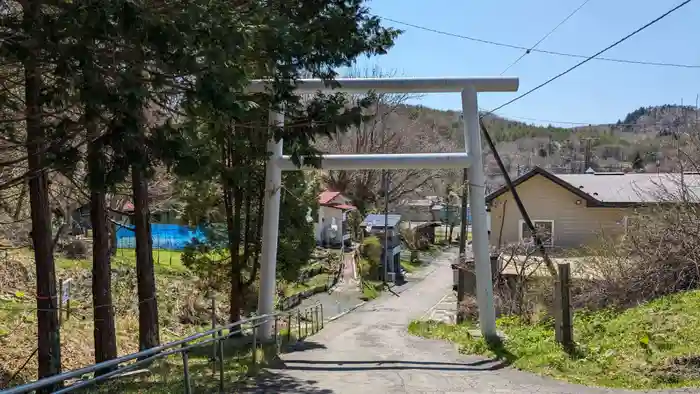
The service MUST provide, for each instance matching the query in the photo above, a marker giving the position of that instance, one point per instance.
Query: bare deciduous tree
(392, 126)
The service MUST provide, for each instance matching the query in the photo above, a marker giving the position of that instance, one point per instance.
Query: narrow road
(370, 351)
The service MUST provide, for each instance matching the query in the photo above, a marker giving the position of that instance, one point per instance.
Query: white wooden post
(477, 202)
(278, 163)
(270, 229)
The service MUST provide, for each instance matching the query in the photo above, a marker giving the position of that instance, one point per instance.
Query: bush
(367, 270)
(371, 249)
(468, 309)
(659, 255)
(370, 258)
(75, 249)
(523, 287)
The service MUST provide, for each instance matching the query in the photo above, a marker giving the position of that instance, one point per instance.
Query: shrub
(75, 249)
(371, 249)
(522, 286)
(370, 258)
(659, 255)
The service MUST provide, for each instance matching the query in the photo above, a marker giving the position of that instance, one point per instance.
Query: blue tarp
(165, 236)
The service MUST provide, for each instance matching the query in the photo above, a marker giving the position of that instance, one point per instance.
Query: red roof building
(335, 200)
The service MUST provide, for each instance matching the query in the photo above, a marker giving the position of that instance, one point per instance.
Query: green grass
(240, 368)
(176, 290)
(313, 265)
(166, 262)
(434, 250)
(166, 375)
(655, 345)
(411, 266)
(371, 289)
(317, 280)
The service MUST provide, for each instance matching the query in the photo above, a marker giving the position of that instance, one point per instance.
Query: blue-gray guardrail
(181, 346)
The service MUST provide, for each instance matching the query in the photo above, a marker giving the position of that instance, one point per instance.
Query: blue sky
(597, 92)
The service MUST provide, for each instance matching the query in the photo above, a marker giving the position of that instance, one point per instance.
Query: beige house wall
(574, 224)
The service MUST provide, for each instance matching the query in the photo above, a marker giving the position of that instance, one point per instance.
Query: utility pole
(386, 226)
(463, 229)
(465, 204)
(587, 154)
(385, 183)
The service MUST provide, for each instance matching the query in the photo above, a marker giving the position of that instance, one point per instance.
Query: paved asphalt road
(370, 351)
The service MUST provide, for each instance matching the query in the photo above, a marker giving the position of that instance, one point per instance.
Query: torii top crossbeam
(399, 85)
(472, 159)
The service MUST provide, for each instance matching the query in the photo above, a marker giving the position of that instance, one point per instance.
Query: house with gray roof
(573, 209)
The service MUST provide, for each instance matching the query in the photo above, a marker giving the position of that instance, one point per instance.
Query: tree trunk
(255, 236)
(249, 235)
(236, 296)
(247, 230)
(20, 203)
(103, 312)
(112, 238)
(232, 196)
(148, 306)
(49, 342)
(259, 221)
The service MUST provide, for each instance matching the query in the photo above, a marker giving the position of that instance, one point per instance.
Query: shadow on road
(303, 346)
(271, 382)
(503, 354)
(390, 365)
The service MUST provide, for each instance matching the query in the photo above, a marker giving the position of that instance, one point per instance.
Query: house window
(544, 228)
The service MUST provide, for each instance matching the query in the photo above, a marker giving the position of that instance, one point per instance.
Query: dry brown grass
(183, 309)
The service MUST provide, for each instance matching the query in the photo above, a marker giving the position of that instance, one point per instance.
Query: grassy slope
(178, 297)
(166, 375)
(651, 346)
(316, 280)
(411, 266)
(166, 261)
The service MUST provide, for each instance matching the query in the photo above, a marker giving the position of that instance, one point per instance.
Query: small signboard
(65, 290)
(64, 303)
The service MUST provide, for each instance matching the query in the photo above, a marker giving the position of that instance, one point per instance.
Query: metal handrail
(182, 346)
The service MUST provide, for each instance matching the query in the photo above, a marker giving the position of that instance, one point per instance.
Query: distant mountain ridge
(643, 139)
(664, 119)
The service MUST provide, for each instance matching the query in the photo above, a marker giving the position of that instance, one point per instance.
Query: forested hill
(643, 139)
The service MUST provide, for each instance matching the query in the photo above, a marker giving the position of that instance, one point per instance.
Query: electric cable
(567, 122)
(545, 36)
(542, 51)
(589, 58)
(523, 212)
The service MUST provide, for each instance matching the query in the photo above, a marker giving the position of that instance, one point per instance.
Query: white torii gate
(471, 159)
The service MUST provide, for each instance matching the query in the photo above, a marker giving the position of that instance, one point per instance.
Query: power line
(545, 36)
(567, 122)
(577, 65)
(552, 121)
(543, 51)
